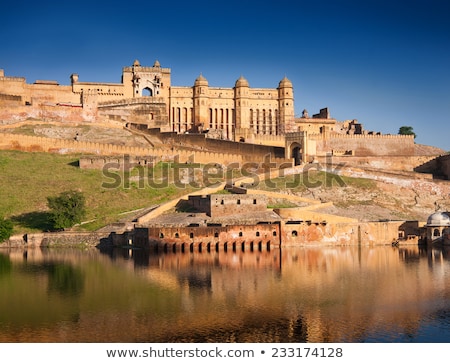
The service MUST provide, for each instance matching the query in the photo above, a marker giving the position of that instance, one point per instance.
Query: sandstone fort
(238, 123)
(202, 123)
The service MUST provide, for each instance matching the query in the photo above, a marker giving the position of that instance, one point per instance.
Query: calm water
(367, 294)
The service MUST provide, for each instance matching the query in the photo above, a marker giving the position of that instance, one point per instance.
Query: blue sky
(384, 63)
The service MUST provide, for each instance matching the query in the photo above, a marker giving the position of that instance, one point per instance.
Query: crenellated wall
(44, 144)
(365, 145)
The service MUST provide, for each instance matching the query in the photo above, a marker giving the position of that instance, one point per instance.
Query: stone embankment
(59, 239)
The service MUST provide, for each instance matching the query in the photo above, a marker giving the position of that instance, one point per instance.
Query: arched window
(240, 234)
(147, 92)
(436, 232)
(294, 233)
(257, 234)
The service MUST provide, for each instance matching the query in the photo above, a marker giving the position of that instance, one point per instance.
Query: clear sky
(384, 63)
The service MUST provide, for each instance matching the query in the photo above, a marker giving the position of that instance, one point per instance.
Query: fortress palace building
(146, 99)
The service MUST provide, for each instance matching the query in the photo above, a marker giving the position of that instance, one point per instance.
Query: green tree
(406, 130)
(6, 229)
(66, 209)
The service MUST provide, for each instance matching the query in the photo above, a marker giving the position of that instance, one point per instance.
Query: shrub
(6, 229)
(66, 209)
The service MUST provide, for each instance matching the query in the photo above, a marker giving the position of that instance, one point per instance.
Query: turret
(286, 106)
(241, 106)
(201, 88)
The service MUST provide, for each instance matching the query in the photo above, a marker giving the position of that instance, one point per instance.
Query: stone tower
(241, 104)
(146, 81)
(200, 103)
(286, 106)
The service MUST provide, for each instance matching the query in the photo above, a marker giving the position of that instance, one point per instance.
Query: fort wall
(438, 166)
(212, 237)
(44, 144)
(294, 233)
(365, 145)
(246, 152)
(385, 164)
(309, 233)
(248, 136)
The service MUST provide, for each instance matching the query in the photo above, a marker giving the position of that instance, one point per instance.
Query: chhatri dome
(285, 82)
(157, 64)
(241, 82)
(201, 81)
(438, 219)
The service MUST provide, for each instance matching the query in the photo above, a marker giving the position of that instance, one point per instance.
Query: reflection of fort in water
(328, 294)
(295, 283)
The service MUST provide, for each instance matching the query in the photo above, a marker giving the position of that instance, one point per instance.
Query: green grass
(280, 205)
(27, 179)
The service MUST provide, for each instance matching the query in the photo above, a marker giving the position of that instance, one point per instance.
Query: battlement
(12, 79)
(132, 101)
(146, 69)
(368, 136)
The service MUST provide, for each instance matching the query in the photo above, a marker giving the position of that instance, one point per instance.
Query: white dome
(439, 219)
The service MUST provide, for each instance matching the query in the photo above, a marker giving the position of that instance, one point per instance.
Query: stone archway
(147, 92)
(295, 153)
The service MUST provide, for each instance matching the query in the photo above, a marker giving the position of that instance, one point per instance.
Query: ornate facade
(146, 99)
(181, 109)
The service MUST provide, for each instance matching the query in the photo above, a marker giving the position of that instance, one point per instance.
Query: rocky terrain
(392, 199)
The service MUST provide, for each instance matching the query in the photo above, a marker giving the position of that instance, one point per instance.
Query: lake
(327, 294)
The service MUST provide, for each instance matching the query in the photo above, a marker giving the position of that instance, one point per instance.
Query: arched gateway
(295, 147)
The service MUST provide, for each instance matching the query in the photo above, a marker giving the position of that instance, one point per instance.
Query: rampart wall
(438, 166)
(125, 162)
(383, 164)
(39, 92)
(247, 152)
(365, 145)
(44, 144)
(246, 135)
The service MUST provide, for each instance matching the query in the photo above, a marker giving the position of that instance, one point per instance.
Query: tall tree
(66, 209)
(406, 130)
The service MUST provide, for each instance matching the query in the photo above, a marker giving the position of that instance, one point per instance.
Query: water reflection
(342, 294)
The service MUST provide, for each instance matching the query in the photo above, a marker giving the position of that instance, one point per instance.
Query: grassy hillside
(27, 179)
